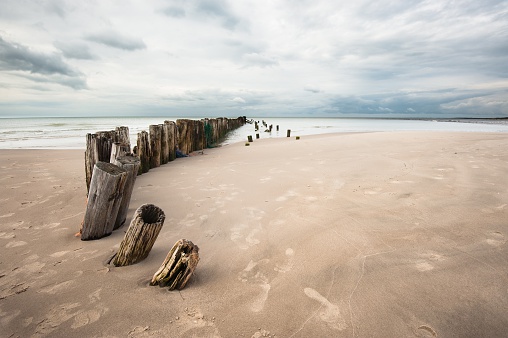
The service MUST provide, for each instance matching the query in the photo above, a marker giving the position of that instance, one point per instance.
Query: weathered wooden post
(249, 138)
(289, 133)
(122, 135)
(178, 267)
(130, 164)
(143, 151)
(277, 127)
(141, 235)
(257, 135)
(164, 143)
(155, 145)
(172, 139)
(104, 199)
(98, 149)
(119, 149)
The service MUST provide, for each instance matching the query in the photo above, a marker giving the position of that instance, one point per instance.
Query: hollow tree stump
(141, 235)
(104, 199)
(131, 165)
(178, 266)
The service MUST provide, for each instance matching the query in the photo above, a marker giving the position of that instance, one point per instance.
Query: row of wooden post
(111, 168)
(160, 144)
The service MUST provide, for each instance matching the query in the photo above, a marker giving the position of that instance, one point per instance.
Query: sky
(294, 58)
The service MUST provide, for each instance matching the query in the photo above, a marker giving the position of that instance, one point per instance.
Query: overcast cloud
(431, 58)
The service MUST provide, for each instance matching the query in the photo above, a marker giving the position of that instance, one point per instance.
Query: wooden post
(164, 143)
(98, 149)
(178, 266)
(130, 164)
(183, 135)
(257, 135)
(122, 135)
(289, 133)
(172, 139)
(277, 127)
(119, 149)
(249, 138)
(141, 235)
(104, 199)
(155, 145)
(143, 152)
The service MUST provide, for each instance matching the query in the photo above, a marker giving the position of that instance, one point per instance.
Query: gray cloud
(175, 12)
(42, 67)
(258, 60)
(78, 51)
(116, 40)
(220, 10)
(412, 58)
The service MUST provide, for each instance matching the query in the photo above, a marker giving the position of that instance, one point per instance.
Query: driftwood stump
(178, 266)
(104, 199)
(141, 235)
(131, 165)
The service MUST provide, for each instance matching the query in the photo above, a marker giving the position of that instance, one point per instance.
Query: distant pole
(289, 133)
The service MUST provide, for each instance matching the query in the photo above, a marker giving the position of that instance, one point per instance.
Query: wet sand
(345, 235)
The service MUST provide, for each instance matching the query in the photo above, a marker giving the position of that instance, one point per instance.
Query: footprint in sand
(496, 239)
(425, 263)
(328, 312)
(245, 241)
(55, 317)
(88, 316)
(7, 235)
(286, 196)
(253, 275)
(288, 265)
(15, 244)
(57, 288)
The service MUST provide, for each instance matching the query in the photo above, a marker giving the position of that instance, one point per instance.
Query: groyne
(160, 145)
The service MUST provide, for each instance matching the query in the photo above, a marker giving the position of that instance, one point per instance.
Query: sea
(70, 132)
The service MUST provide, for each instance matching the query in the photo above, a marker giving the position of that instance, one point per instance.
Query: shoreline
(329, 235)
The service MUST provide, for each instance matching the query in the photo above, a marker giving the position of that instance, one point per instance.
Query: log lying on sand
(104, 199)
(178, 267)
(141, 235)
(131, 165)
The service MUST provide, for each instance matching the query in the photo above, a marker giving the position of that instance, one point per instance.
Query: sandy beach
(393, 234)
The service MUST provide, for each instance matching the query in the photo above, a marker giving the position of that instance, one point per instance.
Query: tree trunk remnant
(178, 266)
(104, 199)
(130, 164)
(143, 151)
(141, 235)
(155, 145)
(119, 149)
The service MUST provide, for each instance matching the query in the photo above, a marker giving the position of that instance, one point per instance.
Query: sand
(346, 235)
